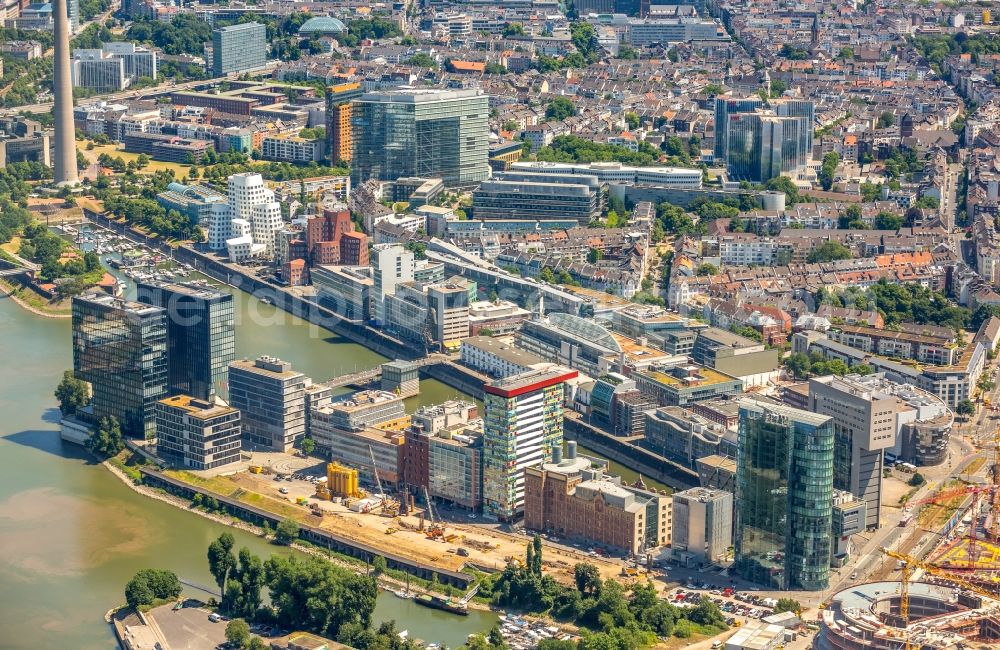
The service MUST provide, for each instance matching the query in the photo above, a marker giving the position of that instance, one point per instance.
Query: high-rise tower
(65, 145)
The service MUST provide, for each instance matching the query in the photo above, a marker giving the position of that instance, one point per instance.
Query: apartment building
(523, 423)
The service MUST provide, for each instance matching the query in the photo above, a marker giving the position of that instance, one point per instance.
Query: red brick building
(295, 273)
(324, 236)
(354, 249)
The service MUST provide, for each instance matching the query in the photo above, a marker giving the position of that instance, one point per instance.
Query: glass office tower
(758, 141)
(201, 336)
(784, 496)
(238, 47)
(120, 348)
(421, 132)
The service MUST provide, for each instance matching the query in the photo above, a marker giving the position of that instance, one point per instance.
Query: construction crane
(909, 564)
(383, 499)
(437, 529)
(993, 524)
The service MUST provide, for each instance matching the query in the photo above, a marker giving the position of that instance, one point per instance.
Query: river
(71, 534)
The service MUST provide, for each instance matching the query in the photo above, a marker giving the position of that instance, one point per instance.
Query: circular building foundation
(867, 617)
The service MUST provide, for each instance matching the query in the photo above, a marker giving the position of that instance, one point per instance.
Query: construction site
(409, 527)
(950, 598)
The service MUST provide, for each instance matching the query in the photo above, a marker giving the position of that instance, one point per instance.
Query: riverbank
(386, 582)
(14, 291)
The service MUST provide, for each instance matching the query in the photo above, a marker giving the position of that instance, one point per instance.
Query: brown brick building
(570, 498)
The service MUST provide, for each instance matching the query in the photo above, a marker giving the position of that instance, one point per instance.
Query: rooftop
(364, 399)
(698, 376)
(106, 300)
(503, 349)
(421, 95)
(201, 409)
(798, 415)
(529, 381)
(265, 365)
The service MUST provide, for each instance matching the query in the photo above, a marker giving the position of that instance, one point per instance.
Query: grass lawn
(116, 151)
(13, 245)
(217, 484)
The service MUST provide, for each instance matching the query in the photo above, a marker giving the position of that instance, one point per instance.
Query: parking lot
(188, 628)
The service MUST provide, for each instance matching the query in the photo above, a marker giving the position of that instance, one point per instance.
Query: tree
(595, 255)
(312, 594)
(982, 314)
(966, 408)
(917, 480)
(547, 275)
(559, 108)
(888, 221)
(138, 593)
(886, 119)
(106, 440)
(798, 364)
(786, 185)
(513, 29)
(286, 532)
(511, 125)
(72, 393)
(828, 169)
(632, 121)
(149, 585)
(379, 566)
(238, 632)
(308, 445)
(423, 60)
(221, 560)
(537, 566)
(588, 579)
(706, 269)
(829, 252)
(242, 595)
(788, 605)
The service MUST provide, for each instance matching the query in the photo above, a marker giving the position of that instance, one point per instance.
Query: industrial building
(201, 335)
(236, 48)
(702, 532)
(760, 140)
(421, 132)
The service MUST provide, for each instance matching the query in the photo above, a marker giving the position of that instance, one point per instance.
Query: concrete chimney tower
(65, 145)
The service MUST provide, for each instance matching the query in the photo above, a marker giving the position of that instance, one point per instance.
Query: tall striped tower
(65, 145)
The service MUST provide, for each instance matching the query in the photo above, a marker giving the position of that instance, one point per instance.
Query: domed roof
(322, 25)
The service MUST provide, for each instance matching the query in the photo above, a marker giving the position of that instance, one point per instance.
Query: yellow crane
(910, 563)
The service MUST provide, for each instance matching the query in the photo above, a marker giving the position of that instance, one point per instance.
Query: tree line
(610, 615)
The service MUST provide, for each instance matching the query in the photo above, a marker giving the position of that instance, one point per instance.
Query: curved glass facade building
(784, 496)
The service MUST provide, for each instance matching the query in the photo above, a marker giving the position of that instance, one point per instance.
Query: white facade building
(392, 265)
(249, 202)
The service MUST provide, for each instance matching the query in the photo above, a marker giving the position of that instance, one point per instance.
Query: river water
(71, 534)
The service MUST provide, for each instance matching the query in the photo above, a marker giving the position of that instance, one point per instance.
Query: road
(144, 93)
